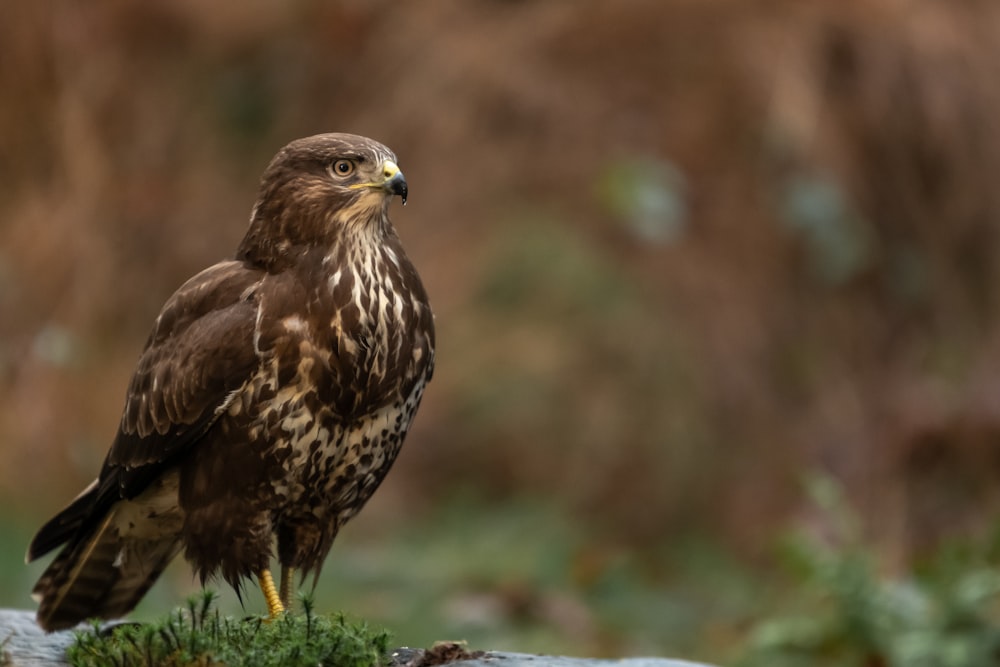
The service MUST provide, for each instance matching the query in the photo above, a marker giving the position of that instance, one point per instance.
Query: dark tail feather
(99, 575)
(64, 526)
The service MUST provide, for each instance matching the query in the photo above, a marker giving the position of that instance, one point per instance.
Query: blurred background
(706, 275)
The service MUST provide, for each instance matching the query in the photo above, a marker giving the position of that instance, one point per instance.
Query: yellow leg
(274, 606)
(287, 574)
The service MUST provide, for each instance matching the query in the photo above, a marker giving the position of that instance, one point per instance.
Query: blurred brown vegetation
(681, 253)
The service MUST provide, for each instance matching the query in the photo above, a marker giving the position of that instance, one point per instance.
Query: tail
(63, 526)
(107, 564)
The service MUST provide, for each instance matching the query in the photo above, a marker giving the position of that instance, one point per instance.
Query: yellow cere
(389, 169)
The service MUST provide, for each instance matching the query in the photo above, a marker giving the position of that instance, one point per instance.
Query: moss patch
(198, 635)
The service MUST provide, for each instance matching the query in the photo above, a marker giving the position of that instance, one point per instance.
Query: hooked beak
(395, 182)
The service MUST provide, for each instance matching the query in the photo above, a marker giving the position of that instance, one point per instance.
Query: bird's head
(318, 188)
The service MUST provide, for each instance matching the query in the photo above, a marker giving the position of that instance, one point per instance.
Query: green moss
(198, 635)
(845, 613)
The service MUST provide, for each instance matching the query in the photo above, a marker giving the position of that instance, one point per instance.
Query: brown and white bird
(270, 401)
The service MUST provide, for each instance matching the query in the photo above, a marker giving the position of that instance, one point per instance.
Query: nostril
(389, 170)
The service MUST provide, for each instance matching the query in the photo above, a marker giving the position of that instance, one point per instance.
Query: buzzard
(269, 402)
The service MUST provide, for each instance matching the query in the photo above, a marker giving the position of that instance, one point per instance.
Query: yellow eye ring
(341, 168)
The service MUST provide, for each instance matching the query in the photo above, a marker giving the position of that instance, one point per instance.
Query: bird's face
(359, 183)
(322, 186)
(381, 176)
(343, 169)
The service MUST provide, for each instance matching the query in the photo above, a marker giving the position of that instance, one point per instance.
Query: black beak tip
(398, 187)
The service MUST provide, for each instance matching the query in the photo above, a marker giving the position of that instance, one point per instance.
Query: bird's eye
(342, 168)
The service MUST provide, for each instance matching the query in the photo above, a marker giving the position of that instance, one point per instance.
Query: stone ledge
(24, 644)
(505, 659)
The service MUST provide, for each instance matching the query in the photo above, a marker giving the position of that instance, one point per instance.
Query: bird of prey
(269, 402)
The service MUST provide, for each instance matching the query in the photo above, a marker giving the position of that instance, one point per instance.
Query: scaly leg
(274, 606)
(287, 574)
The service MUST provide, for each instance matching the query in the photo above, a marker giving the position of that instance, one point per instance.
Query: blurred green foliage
(839, 242)
(648, 196)
(842, 611)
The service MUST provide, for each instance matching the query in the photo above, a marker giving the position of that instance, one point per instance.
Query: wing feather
(200, 351)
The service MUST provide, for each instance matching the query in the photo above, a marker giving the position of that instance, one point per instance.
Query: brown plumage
(271, 398)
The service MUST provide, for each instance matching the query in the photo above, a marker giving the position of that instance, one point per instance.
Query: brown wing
(200, 351)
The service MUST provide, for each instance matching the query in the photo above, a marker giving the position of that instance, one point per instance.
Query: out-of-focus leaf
(648, 195)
